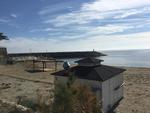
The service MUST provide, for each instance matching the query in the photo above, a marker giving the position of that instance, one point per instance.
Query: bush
(63, 100)
(44, 101)
(85, 101)
(29, 103)
(74, 99)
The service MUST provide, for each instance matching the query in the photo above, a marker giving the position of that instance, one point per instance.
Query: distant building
(3, 55)
(105, 81)
(3, 51)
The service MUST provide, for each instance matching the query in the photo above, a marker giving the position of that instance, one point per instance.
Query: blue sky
(73, 25)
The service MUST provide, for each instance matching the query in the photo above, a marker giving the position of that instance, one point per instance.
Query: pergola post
(43, 65)
(33, 65)
(55, 65)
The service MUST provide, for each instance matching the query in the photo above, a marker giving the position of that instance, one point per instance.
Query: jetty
(59, 55)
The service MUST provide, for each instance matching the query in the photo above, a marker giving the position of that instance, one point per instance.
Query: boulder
(12, 107)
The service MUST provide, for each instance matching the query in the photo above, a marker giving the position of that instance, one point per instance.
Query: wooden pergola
(44, 63)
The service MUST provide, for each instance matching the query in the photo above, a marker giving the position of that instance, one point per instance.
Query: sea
(125, 58)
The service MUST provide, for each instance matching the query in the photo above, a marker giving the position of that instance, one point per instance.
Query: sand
(16, 82)
(22, 83)
(136, 91)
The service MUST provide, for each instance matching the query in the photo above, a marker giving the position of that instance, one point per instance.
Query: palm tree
(3, 37)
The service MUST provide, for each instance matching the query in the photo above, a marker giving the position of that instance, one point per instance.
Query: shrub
(63, 100)
(85, 101)
(29, 103)
(74, 99)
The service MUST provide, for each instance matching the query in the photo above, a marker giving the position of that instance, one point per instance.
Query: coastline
(136, 88)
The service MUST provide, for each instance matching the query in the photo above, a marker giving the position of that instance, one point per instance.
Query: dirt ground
(16, 82)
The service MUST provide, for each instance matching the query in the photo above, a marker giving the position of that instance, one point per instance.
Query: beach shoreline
(136, 88)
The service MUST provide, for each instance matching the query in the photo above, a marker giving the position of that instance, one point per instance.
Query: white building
(105, 81)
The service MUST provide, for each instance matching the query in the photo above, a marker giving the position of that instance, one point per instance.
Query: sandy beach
(136, 91)
(25, 84)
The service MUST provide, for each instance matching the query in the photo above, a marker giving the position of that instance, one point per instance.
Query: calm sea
(129, 58)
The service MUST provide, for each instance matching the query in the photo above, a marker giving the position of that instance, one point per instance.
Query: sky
(75, 25)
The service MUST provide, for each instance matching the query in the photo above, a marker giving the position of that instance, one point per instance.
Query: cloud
(99, 24)
(108, 29)
(14, 15)
(75, 18)
(84, 32)
(100, 11)
(7, 20)
(25, 44)
(100, 18)
(49, 10)
(133, 12)
(109, 5)
(4, 20)
(127, 14)
(111, 42)
(56, 8)
(42, 30)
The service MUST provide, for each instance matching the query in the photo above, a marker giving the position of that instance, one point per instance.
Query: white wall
(109, 95)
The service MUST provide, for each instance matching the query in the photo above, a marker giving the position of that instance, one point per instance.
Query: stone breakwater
(59, 55)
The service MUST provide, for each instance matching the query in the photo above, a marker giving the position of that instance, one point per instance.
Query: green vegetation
(68, 98)
(29, 103)
(74, 99)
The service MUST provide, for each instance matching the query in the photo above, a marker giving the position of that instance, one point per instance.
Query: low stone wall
(3, 60)
(3, 55)
(3, 51)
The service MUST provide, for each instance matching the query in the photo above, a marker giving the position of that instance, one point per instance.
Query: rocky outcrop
(11, 107)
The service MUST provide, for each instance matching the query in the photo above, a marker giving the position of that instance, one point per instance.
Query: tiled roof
(89, 60)
(97, 73)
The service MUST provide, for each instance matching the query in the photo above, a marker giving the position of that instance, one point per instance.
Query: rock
(5, 85)
(11, 107)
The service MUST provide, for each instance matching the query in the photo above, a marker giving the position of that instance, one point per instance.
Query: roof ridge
(98, 73)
